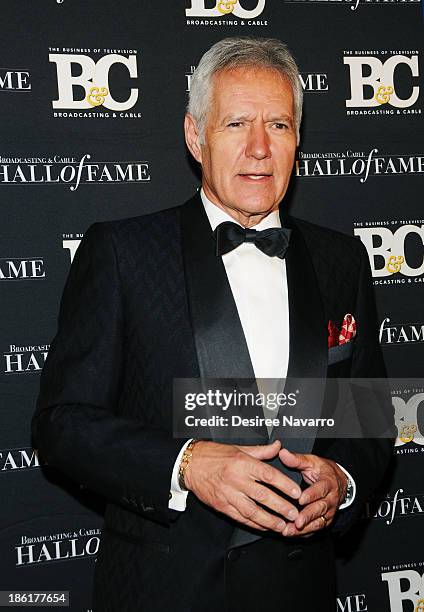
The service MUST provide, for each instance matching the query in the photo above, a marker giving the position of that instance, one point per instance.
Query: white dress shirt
(259, 286)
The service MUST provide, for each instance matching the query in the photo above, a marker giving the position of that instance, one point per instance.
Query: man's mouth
(255, 176)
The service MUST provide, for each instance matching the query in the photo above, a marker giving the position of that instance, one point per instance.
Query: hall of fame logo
(71, 545)
(15, 80)
(22, 269)
(391, 507)
(393, 334)
(353, 602)
(16, 459)
(311, 82)
(25, 359)
(71, 170)
(360, 164)
(353, 5)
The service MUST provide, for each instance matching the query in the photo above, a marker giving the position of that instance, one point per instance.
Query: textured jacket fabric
(135, 314)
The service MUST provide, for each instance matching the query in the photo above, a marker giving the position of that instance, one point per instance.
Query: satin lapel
(308, 338)
(220, 343)
(307, 357)
(218, 334)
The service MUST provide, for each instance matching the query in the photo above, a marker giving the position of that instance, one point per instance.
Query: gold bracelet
(185, 462)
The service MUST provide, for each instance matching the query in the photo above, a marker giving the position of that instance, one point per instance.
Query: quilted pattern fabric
(104, 413)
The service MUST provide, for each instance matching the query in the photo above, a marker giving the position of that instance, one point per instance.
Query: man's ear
(192, 137)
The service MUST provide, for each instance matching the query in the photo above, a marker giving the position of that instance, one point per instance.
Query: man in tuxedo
(225, 286)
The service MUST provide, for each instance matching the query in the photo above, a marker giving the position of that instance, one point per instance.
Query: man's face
(249, 142)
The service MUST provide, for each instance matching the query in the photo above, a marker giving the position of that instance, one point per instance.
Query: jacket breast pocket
(340, 353)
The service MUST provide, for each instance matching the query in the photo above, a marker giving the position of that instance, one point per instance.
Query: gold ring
(324, 521)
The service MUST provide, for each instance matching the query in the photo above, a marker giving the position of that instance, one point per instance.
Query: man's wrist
(178, 497)
(349, 491)
(183, 470)
(343, 488)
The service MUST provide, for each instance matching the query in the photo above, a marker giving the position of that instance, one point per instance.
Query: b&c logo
(234, 7)
(405, 585)
(373, 81)
(71, 242)
(386, 249)
(406, 419)
(92, 79)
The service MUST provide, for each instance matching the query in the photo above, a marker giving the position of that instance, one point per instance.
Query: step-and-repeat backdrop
(92, 98)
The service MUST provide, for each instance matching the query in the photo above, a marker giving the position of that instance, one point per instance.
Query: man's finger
(295, 460)
(266, 497)
(252, 512)
(262, 451)
(311, 513)
(314, 492)
(316, 525)
(235, 514)
(270, 475)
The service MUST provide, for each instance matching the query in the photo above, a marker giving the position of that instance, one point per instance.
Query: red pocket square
(347, 331)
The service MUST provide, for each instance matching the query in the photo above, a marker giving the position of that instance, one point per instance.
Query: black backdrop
(67, 161)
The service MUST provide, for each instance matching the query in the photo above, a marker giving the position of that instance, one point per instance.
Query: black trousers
(282, 576)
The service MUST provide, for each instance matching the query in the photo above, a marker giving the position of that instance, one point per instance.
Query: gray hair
(236, 52)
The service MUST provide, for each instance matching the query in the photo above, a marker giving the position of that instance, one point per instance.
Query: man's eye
(280, 126)
(235, 124)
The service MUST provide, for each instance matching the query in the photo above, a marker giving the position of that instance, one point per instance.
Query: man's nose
(258, 142)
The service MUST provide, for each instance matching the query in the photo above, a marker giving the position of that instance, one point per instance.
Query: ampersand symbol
(383, 94)
(407, 433)
(226, 7)
(97, 95)
(420, 606)
(394, 263)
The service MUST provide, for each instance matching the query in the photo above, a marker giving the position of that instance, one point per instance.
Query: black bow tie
(273, 241)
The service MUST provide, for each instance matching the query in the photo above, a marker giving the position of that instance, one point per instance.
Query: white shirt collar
(216, 215)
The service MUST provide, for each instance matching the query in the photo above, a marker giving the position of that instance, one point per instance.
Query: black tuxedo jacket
(146, 300)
